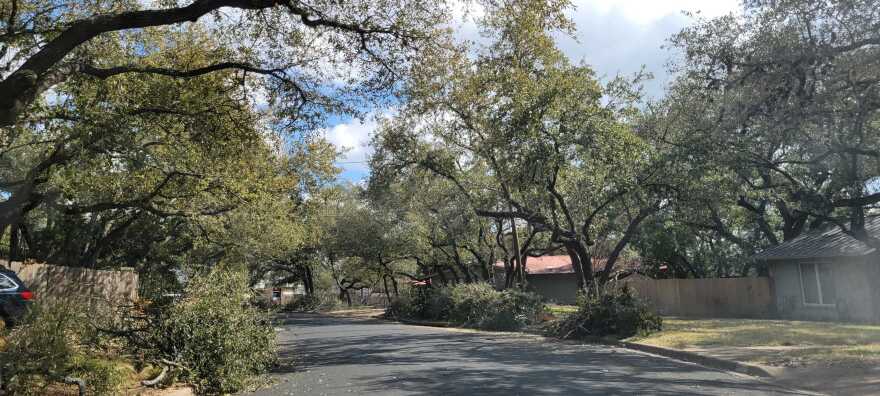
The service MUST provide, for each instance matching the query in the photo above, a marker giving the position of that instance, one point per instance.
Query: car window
(6, 283)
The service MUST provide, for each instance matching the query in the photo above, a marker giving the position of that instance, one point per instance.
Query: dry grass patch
(561, 310)
(783, 342)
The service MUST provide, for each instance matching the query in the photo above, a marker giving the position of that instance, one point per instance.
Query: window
(817, 282)
(6, 283)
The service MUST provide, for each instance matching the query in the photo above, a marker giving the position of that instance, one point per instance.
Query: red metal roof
(562, 264)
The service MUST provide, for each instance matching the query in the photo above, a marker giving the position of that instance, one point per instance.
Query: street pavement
(322, 355)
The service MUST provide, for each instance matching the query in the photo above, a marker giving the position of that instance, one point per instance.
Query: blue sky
(614, 37)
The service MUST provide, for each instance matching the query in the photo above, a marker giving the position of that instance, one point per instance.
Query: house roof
(829, 241)
(562, 264)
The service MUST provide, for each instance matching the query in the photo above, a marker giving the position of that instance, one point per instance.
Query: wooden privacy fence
(719, 297)
(53, 282)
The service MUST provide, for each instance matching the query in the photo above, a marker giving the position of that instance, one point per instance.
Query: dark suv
(14, 296)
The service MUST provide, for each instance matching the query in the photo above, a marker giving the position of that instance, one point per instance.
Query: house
(553, 277)
(279, 294)
(826, 274)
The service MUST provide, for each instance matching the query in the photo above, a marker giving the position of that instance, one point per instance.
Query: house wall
(855, 280)
(557, 288)
(288, 295)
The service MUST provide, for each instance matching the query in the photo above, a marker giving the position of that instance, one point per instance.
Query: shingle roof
(562, 264)
(825, 242)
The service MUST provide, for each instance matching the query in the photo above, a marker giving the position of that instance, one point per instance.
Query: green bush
(424, 303)
(55, 340)
(515, 310)
(479, 305)
(212, 337)
(103, 375)
(471, 303)
(215, 337)
(475, 305)
(615, 313)
(321, 300)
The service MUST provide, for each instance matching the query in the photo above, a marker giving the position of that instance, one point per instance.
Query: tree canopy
(174, 132)
(161, 133)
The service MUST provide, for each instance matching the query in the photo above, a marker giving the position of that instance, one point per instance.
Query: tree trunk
(387, 292)
(508, 272)
(3, 228)
(484, 269)
(630, 232)
(455, 278)
(13, 242)
(582, 263)
(519, 269)
(394, 286)
(344, 295)
(461, 265)
(440, 273)
(308, 281)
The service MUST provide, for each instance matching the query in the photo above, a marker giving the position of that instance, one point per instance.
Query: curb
(713, 362)
(419, 322)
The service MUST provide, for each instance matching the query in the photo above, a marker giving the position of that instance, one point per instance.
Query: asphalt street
(324, 355)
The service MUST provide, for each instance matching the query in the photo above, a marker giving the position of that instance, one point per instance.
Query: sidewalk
(361, 313)
(830, 379)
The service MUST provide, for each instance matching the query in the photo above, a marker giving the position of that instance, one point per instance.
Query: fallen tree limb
(159, 378)
(78, 382)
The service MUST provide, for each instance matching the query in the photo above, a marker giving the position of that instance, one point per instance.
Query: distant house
(554, 278)
(281, 294)
(826, 274)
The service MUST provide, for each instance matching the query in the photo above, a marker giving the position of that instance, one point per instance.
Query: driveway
(324, 355)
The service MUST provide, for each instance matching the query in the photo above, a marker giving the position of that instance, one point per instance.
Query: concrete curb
(419, 322)
(708, 361)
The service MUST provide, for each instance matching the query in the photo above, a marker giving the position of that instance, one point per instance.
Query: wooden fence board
(51, 281)
(721, 297)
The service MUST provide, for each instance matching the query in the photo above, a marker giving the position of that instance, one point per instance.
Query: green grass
(807, 342)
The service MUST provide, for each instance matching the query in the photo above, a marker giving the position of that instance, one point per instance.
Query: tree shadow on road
(394, 358)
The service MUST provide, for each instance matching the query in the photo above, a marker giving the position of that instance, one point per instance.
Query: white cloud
(353, 138)
(619, 36)
(645, 12)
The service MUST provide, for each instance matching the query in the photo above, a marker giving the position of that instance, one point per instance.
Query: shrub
(475, 305)
(55, 340)
(424, 303)
(615, 312)
(479, 305)
(471, 303)
(216, 339)
(404, 306)
(103, 375)
(321, 300)
(516, 309)
(438, 303)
